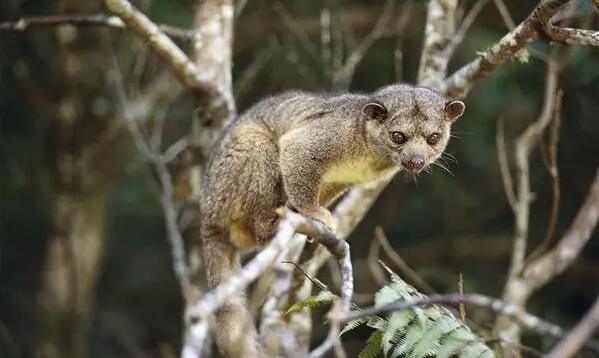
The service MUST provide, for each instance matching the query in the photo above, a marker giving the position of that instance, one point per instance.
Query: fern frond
(477, 350)
(373, 346)
(398, 322)
(376, 322)
(353, 324)
(420, 332)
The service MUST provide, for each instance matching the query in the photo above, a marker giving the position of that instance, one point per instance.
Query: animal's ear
(453, 110)
(375, 110)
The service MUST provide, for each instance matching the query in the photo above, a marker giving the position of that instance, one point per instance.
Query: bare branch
(184, 69)
(461, 306)
(504, 168)
(290, 338)
(577, 337)
(373, 259)
(404, 268)
(570, 36)
(524, 145)
(297, 30)
(516, 290)
(505, 14)
(170, 215)
(457, 39)
(29, 22)
(213, 56)
(402, 22)
(438, 32)
(251, 72)
(459, 83)
(498, 306)
(197, 313)
(212, 300)
(342, 77)
(543, 269)
(554, 174)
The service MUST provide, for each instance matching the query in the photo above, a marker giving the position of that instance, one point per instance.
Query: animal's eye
(433, 138)
(398, 137)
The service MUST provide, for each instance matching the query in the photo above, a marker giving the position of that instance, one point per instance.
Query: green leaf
(321, 298)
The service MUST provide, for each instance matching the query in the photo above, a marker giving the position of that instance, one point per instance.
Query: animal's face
(410, 125)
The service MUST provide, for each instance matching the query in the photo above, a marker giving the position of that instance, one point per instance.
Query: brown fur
(303, 149)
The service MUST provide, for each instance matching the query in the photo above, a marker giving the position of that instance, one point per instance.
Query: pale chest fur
(355, 171)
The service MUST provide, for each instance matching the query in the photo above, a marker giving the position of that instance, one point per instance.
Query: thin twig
(31, 22)
(461, 307)
(554, 174)
(459, 35)
(342, 78)
(170, 214)
(402, 22)
(506, 176)
(528, 320)
(551, 264)
(403, 267)
(571, 36)
(534, 26)
(543, 269)
(297, 30)
(505, 14)
(181, 65)
(326, 53)
(524, 145)
(251, 72)
(375, 269)
(314, 280)
(577, 337)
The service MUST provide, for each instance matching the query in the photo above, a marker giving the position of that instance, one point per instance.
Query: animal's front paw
(319, 214)
(326, 218)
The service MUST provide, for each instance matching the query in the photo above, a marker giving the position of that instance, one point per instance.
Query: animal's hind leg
(263, 183)
(236, 334)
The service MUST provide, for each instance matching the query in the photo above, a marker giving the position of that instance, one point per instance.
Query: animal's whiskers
(443, 167)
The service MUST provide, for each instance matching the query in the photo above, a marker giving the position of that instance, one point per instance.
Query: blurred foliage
(443, 224)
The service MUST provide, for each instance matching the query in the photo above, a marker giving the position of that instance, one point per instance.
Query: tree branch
(524, 145)
(342, 77)
(534, 26)
(504, 168)
(577, 337)
(115, 22)
(404, 268)
(438, 33)
(570, 36)
(457, 39)
(198, 312)
(498, 306)
(554, 262)
(542, 270)
(184, 69)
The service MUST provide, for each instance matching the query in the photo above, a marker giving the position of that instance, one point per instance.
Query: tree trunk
(70, 272)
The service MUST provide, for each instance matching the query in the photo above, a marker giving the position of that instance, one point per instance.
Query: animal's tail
(235, 332)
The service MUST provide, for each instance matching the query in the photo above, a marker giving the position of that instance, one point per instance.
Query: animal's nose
(414, 163)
